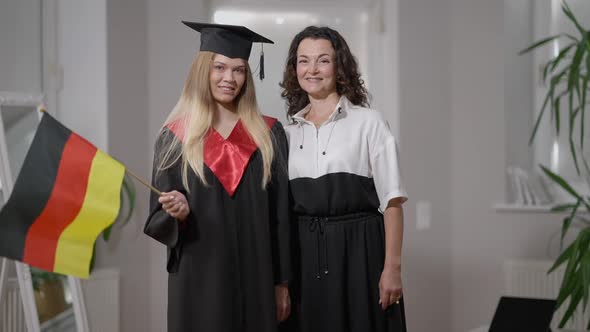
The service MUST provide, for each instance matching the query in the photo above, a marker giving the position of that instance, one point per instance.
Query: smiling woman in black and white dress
(346, 192)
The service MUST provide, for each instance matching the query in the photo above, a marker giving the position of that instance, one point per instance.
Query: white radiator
(12, 316)
(529, 278)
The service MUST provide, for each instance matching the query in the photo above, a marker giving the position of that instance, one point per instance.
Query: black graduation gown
(224, 261)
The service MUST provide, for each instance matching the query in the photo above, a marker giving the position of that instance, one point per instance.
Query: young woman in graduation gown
(223, 213)
(347, 192)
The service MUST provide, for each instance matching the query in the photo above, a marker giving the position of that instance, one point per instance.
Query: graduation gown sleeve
(160, 225)
(278, 192)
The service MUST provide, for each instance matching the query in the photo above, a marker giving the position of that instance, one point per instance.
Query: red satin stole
(226, 158)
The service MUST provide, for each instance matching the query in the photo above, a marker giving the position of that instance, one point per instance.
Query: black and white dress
(342, 176)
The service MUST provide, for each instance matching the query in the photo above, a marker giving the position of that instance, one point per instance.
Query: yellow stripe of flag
(99, 210)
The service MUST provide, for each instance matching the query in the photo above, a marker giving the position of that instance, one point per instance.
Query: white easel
(22, 270)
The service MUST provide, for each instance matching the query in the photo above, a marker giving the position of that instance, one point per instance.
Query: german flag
(66, 194)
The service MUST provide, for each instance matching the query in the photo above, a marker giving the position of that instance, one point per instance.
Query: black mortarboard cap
(233, 41)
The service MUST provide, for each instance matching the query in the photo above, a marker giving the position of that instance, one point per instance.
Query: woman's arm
(161, 225)
(384, 161)
(278, 190)
(390, 284)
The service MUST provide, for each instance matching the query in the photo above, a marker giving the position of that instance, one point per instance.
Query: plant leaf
(562, 207)
(126, 209)
(585, 268)
(540, 116)
(546, 68)
(583, 106)
(556, 110)
(539, 44)
(93, 258)
(556, 79)
(129, 190)
(574, 73)
(568, 285)
(563, 257)
(552, 64)
(568, 12)
(573, 260)
(571, 140)
(573, 283)
(106, 234)
(575, 299)
(562, 183)
(562, 53)
(568, 221)
(572, 87)
(573, 146)
(587, 168)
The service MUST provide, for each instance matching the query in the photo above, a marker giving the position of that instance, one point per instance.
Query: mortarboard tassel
(261, 72)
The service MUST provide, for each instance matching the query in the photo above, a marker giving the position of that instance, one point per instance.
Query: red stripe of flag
(63, 205)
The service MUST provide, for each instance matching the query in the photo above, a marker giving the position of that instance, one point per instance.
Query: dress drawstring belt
(318, 225)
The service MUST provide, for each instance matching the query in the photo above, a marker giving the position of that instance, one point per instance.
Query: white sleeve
(384, 162)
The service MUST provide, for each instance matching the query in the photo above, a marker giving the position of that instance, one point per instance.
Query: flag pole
(143, 182)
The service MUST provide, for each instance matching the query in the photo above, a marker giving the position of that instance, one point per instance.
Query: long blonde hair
(194, 113)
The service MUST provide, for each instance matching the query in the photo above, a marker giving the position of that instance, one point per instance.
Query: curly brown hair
(348, 77)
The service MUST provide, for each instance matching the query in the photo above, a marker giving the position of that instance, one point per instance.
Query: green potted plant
(567, 76)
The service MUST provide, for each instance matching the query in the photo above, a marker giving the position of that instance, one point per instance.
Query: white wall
(128, 119)
(20, 46)
(383, 56)
(19, 129)
(518, 82)
(478, 125)
(82, 43)
(425, 135)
